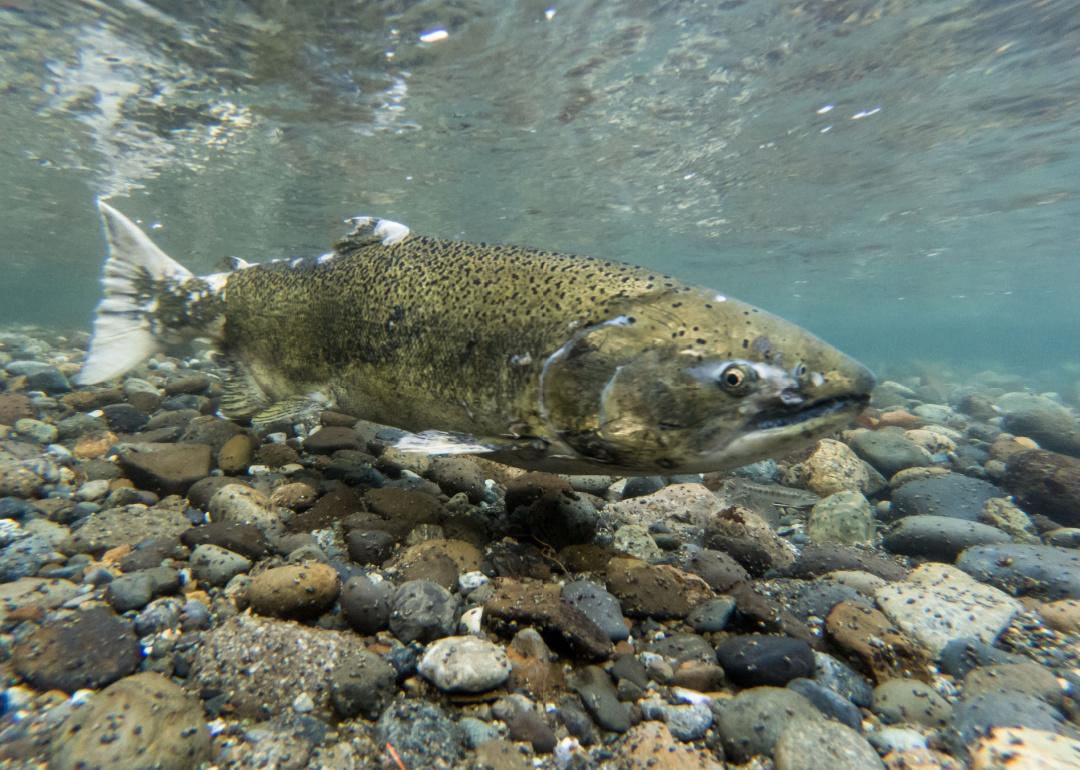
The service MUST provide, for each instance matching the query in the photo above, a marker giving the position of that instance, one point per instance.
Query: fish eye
(799, 371)
(736, 378)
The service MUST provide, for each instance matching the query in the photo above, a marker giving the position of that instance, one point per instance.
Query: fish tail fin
(135, 319)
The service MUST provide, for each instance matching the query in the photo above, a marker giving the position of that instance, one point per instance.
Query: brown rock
(295, 590)
(515, 604)
(296, 496)
(748, 538)
(94, 445)
(1047, 483)
(920, 759)
(760, 612)
(14, 406)
(235, 454)
(335, 505)
(651, 746)
(328, 440)
(1024, 748)
(868, 635)
(165, 468)
(464, 556)
(89, 400)
(655, 590)
(403, 509)
(1062, 615)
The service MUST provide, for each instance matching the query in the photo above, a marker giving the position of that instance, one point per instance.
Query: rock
(291, 658)
(215, 565)
(1024, 748)
(888, 450)
(834, 467)
(422, 734)
(974, 717)
(517, 603)
(818, 560)
(817, 744)
(599, 605)
(679, 648)
(165, 468)
(1002, 513)
(1047, 483)
(362, 684)
(36, 430)
(402, 509)
(14, 407)
(27, 593)
(940, 538)
(749, 539)
(712, 615)
(635, 540)
(952, 495)
(691, 504)
(296, 496)
(235, 454)
(874, 641)
(1028, 678)
(295, 590)
(365, 603)
(843, 517)
(939, 603)
(49, 380)
(754, 660)
(369, 546)
(1062, 615)
(239, 504)
(459, 474)
(655, 590)
(594, 688)
(328, 440)
(686, 722)
(422, 611)
(465, 664)
(1042, 419)
(752, 721)
(18, 481)
(243, 539)
(962, 655)
(211, 431)
(142, 721)
(829, 703)
(88, 649)
(131, 524)
(910, 701)
(651, 746)
(720, 571)
(130, 592)
(1040, 570)
(837, 676)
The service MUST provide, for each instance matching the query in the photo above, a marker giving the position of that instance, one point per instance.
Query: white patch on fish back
(324, 258)
(719, 298)
(391, 232)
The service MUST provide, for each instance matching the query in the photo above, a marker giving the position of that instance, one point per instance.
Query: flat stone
(1062, 615)
(459, 474)
(1046, 571)
(240, 504)
(655, 590)
(168, 469)
(291, 658)
(422, 734)
(719, 570)
(517, 603)
(235, 454)
(939, 603)
(830, 703)
(953, 495)
(974, 717)
(1028, 678)
(910, 701)
(750, 539)
(243, 539)
(692, 504)
(464, 664)
(872, 638)
(34, 592)
(142, 721)
(295, 590)
(651, 746)
(753, 721)
(129, 525)
(599, 605)
(817, 560)
(753, 660)
(940, 538)
(328, 440)
(1024, 748)
(88, 649)
(888, 450)
(817, 744)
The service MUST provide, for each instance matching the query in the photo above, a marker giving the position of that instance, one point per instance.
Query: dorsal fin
(368, 231)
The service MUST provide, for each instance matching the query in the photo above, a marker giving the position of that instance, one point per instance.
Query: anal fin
(241, 396)
(438, 442)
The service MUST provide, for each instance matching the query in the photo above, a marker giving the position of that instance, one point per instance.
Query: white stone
(465, 664)
(939, 602)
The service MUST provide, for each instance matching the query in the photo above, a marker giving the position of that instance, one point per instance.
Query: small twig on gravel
(395, 756)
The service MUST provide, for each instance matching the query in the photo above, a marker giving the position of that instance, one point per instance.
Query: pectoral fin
(241, 396)
(437, 442)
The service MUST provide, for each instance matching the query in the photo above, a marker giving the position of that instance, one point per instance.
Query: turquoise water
(901, 177)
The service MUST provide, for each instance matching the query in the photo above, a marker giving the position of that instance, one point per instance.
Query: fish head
(694, 382)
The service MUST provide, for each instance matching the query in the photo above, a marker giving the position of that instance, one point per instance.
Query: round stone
(823, 745)
(295, 590)
(365, 603)
(215, 565)
(422, 611)
(362, 684)
(910, 701)
(765, 660)
(752, 721)
(465, 664)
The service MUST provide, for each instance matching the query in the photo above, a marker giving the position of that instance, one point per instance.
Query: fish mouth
(822, 408)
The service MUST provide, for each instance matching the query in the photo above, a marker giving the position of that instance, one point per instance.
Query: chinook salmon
(537, 359)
